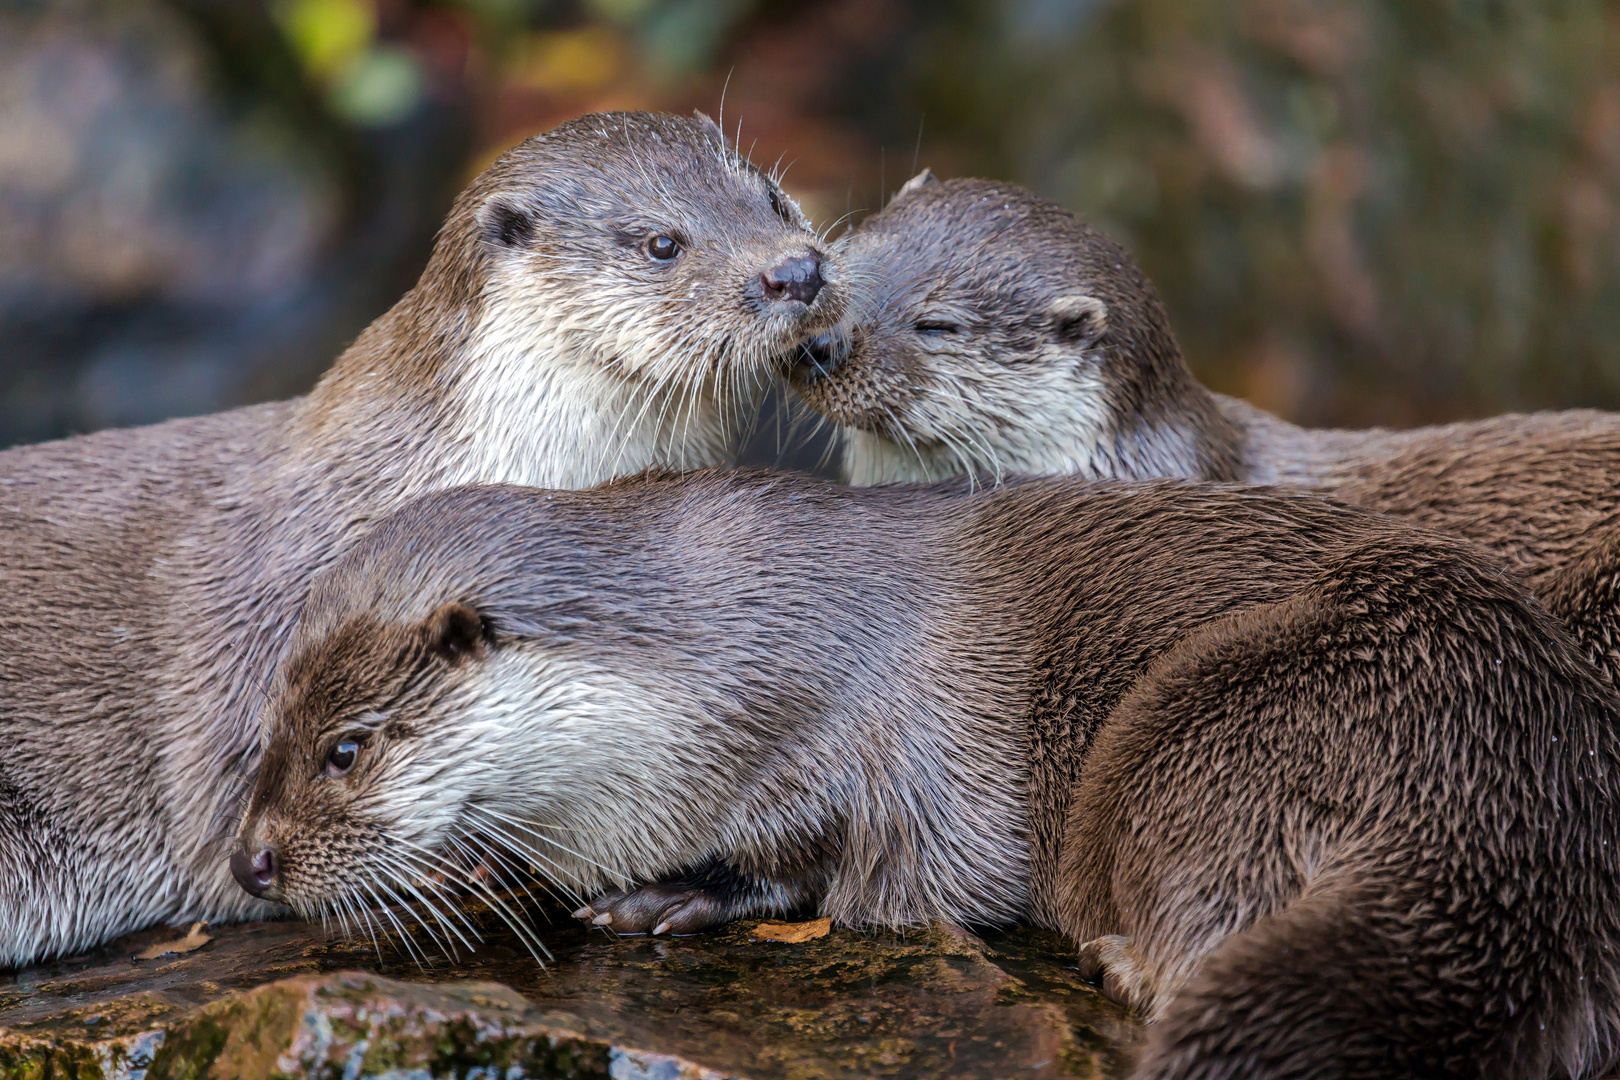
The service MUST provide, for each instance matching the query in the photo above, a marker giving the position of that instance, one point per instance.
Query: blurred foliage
(1357, 210)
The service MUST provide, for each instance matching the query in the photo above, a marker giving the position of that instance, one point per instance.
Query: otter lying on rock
(605, 297)
(1001, 335)
(1320, 793)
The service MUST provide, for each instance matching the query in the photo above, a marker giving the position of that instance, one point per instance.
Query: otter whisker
(406, 863)
(380, 882)
(490, 852)
(975, 437)
(928, 474)
(402, 880)
(825, 233)
(655, 392)
(486, 811)
(450, 900)
(377, 906)
(340, 906)
(534, 857)
(350, 901)
(367, 921)
(517, 925)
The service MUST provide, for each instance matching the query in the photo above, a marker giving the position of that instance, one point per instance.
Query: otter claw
(1111, 961)
(584, 912)
(657, 910)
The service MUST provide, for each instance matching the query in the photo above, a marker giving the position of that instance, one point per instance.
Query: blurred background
(1359, 212)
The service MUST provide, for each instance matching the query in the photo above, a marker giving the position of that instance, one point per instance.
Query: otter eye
(663, 248)
(340, 759)
(935, 328)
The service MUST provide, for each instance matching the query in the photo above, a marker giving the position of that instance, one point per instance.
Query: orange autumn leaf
(195, 939)
(793, 932)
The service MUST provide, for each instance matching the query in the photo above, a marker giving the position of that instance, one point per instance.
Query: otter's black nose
(796, 279)
(254, 872)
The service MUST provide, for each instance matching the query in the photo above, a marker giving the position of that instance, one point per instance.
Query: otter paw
(656, 909)
(1111, 962)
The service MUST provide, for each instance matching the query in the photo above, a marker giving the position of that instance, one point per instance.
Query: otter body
(578, 320)
(1323, 794)
(1004, 336)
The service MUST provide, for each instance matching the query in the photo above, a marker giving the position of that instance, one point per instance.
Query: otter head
(996, 334)
(626, 281)
(343, 746)
(487, 685)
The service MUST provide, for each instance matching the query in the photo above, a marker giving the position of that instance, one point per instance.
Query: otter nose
(795, 279)
(254, 872)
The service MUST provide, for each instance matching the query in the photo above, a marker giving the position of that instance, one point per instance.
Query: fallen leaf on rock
(195, 939)
(792, 931)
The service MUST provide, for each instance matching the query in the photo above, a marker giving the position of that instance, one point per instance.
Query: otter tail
(1585, 596)
(1371, 831)
(1353, 982)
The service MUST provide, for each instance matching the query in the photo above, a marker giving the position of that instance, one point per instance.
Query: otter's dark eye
(340, 759)
(663, 248)
(935, 329)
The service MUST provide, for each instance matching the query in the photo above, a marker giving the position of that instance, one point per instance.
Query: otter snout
(255, 873)
(798, 278)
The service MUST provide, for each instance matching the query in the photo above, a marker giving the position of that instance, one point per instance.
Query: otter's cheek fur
(959, 418)
(670, 388)
(534, 763)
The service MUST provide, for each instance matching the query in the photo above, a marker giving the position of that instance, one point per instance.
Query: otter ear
(709, 125)
(1079, 320)
(914, 185)
(457, 632)
(505, 224)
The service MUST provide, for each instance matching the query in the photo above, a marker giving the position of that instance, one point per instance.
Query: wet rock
(281, 999)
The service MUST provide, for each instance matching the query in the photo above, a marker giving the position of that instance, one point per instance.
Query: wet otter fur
(605, 297)
(1324, 795)
(1001, 335)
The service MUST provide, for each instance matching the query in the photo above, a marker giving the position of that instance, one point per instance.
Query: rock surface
(281, 999)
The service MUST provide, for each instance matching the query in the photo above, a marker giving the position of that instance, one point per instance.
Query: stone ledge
(280, 1000)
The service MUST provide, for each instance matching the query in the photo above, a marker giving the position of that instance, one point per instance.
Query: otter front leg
(1111, 962)
(687, 903)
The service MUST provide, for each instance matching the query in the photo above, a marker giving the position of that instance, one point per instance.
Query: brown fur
(151, 577)
(1326, 795)
(1019, 385)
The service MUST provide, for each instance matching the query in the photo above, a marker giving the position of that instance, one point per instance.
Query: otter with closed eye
(1002, 336)
(604, 297)
(1321, 794)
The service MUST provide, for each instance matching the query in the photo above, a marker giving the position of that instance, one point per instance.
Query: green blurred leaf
(327, 34)
(379, 88)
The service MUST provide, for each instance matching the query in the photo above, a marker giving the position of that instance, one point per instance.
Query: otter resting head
(624, 281)
(998, 334)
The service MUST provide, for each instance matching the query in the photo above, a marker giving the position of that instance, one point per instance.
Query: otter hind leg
(1112, 963)
(1585, 596)
(689, 902)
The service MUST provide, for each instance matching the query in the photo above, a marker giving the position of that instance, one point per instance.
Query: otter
(1002, 335)
(1320, 793)
(605, 297)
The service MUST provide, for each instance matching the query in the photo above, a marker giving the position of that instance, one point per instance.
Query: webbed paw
(1111, 962)
(660, 908)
